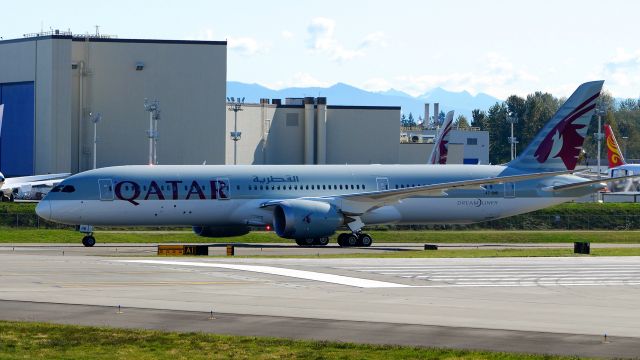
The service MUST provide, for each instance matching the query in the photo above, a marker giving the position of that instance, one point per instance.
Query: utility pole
(153, 107)
(600, 111)
(235, 105)
(512, 119)
(95, 119)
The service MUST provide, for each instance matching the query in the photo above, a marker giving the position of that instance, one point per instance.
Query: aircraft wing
(587, 183)
(35, 180)
(359, 203)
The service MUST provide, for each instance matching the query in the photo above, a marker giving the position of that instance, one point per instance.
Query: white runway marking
(510, 275)
(299, 274)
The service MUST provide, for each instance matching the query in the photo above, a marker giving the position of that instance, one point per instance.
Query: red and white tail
(441, 145)
(614, 155)
(557, 146)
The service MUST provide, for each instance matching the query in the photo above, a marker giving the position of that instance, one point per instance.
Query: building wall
(188, 79)
(362, 135)
(276, 134)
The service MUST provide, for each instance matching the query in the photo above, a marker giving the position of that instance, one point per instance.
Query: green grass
(23, 340)
(11, 235)
(465, 253)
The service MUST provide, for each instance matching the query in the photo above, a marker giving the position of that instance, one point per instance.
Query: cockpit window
(56, 188)
(68, 189)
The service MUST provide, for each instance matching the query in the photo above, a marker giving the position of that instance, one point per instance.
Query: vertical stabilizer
(441, 144)
(558, 145)
(614, 155)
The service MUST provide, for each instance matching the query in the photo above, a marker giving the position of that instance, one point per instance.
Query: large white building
(51, 83)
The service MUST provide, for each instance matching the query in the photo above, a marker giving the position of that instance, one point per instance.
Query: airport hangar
(51, 82)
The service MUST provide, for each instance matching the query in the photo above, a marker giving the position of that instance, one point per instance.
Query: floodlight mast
(512, 119)
(153, 107)
(95, 119)
(601, 110)
(235, 105)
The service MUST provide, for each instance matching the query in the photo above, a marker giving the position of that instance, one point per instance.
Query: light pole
(95, 119)
(600, 111)
(235, 105)
(512, 119)
(153, 107)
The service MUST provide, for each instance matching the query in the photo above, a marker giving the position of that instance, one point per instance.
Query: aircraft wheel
(342, 241)
(352, 240)
(88, 241)
(305, 242)
(365, 239)
(323, 241)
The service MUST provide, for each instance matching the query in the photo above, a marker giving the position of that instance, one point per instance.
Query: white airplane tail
(441, 145)
(557, 146)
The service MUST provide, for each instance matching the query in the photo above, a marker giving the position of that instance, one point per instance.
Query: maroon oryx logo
(564, 141)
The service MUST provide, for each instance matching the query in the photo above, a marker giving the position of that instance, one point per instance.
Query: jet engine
(297, 219)
(220, 231)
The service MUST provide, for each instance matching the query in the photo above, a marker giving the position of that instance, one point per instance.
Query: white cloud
(322, 39)
(377, 38)
(377, 84)
(621, 73)
(496, 76)
(299, 79)
(246, 45)
(287, 35)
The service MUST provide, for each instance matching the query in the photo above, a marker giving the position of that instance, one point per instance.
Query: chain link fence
(520, 222)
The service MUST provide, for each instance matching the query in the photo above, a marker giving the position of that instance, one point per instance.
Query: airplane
(309, 203)
(617, 165)
(441, 145)
(10, 185)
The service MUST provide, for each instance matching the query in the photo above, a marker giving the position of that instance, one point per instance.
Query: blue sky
(492, 46)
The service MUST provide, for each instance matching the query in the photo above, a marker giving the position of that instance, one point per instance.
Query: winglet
(614, 155)
(440, 146)
(559, 143)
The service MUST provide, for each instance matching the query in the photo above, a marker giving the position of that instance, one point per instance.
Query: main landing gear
(354, 239)
(88, 240)
(323, 241)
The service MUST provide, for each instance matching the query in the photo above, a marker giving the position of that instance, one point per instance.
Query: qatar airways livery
(309, 203)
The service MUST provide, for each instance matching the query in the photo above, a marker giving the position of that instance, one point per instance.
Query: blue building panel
(17, 132)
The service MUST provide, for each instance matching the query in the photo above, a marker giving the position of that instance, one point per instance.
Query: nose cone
(44, 209)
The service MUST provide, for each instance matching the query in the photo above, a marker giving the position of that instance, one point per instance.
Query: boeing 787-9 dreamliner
(309, 203)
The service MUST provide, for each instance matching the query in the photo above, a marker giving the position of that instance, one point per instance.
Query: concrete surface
(546, 305)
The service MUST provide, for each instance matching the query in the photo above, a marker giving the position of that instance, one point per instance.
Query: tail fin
(559, 143)
(614, 155)
(440, 146)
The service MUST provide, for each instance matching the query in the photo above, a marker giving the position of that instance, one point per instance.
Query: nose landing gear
(88, 240)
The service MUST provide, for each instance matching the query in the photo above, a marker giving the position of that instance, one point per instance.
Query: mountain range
(342, 94)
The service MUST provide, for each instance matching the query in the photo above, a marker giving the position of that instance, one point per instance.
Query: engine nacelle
(299, 219)
(220, 231)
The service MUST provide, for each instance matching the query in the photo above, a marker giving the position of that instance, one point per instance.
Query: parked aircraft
(9, 185)
(617, 165)
(441, 144)
(308, 203)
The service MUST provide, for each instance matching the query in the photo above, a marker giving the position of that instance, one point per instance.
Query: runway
(556, 305)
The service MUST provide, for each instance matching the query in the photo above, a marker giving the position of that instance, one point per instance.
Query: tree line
(533, 112)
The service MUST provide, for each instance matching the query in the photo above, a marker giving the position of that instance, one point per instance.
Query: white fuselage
(233, 195)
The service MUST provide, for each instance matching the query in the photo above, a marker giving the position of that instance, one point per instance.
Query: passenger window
(324, 187)
(362, 186)
(340, 186)
(351, 186)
